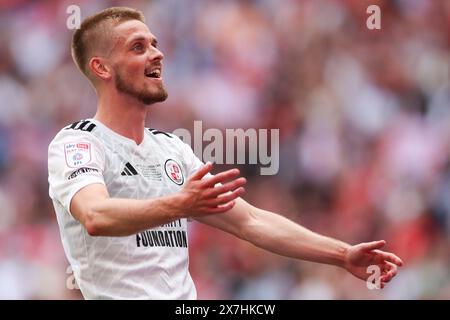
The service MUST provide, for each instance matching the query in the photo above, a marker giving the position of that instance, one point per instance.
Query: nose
(155, 54)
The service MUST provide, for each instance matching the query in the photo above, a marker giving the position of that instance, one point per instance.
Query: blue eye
(138, 47)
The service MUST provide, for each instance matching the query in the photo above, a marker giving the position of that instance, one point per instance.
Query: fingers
(387, 256)
(221, 177)
(217, 191)
(220, 209)
(200, 173)
(390, 271)
(212, 195)
(369, 246)
(224, 198)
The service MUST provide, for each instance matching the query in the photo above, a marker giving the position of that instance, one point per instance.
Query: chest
(143, 172)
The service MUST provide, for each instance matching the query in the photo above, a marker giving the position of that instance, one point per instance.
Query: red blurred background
(364, 119)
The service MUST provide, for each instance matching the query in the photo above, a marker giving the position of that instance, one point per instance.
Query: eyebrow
(153, 40)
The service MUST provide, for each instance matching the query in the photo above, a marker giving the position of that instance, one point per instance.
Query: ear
(99, 68)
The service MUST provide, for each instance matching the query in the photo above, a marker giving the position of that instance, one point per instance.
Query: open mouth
(153, 73)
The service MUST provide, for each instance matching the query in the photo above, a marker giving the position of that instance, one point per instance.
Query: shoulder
(75, 145)
(156, 132)
(168, 138)
(76, 132)
(162, 137)
(81, 125)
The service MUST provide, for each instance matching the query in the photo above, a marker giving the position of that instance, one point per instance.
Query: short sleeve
(75, 160)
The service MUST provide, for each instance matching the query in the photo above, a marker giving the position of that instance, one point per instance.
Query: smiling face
(136, 62)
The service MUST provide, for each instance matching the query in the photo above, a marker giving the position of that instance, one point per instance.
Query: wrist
(177, 206)
(342, 251)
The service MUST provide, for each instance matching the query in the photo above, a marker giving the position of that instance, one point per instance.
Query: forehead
(131, 29)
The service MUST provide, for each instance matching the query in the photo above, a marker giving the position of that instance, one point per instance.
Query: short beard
(144, 96)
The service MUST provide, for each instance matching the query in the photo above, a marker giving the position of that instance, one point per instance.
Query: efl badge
(173, 171)
(77, 154)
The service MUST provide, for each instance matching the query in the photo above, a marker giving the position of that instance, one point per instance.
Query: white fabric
(131, 267)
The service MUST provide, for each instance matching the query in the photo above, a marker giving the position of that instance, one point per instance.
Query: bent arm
(105, 216)
(102, 215)
(278, 234)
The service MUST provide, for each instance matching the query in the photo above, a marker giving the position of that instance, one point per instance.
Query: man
(122, 193)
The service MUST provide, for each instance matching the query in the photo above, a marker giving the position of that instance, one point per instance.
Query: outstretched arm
(279, 235)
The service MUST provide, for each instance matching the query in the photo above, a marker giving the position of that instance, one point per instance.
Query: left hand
(359, 257)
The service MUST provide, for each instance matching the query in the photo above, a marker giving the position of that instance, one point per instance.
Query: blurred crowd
(364, 120)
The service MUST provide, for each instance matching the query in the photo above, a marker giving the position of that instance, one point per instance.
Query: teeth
(153, 73)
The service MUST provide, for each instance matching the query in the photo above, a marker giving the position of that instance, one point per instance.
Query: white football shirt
(148, 265)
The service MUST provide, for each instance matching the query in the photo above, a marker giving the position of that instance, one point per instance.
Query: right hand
(201, 197)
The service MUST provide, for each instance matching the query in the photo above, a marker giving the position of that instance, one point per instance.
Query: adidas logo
(129, 170)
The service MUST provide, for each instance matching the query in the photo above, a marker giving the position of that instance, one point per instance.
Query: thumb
(369, 246)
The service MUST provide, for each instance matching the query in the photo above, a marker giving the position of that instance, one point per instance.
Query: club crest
(174, 172)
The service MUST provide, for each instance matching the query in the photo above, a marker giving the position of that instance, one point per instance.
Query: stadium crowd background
(364, 119)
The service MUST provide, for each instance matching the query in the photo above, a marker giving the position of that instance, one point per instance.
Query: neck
(122, 114)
